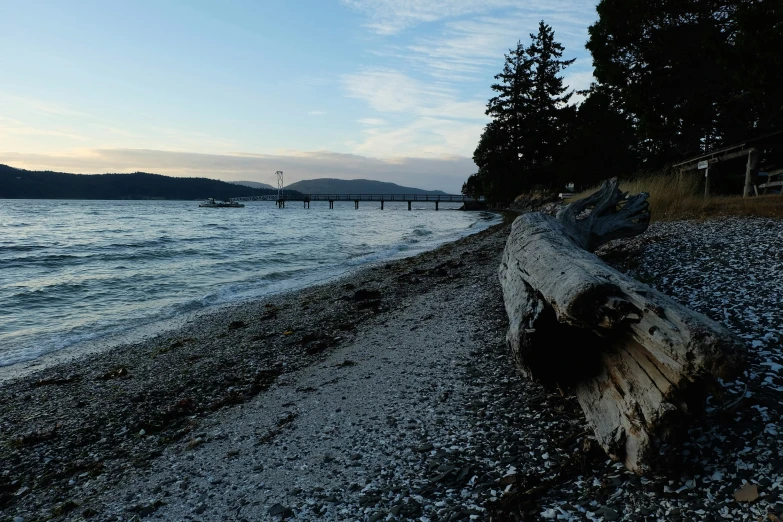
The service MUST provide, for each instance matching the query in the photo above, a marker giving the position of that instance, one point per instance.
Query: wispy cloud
(373, 122)
(434, 105)
(13, 128)
(443, 173)
(316, 113)
(44, 107)
(392, 16)
(433, 120)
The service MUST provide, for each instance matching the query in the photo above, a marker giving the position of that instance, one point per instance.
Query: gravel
(393, 398)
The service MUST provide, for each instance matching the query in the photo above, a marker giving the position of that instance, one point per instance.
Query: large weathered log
(638, 361)
(612, 215)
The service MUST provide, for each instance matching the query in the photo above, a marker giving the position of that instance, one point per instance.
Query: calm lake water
(73, 271)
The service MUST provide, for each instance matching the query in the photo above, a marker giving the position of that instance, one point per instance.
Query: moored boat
(211, 203)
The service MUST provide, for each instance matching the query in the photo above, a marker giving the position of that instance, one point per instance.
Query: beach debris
(194, 443)
(364, 294)
(236, 325)
(55, 381)
(115, 373)
(639, 362)
(374, 304)
(747, 493)
(280, 510)
(288, 332)
(178, 343)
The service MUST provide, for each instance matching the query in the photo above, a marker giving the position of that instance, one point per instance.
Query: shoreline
(393, 397)
(161, 385)
(146, 332)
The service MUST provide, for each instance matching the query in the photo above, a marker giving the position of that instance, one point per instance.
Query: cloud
(430, 118)
(374, 122)
(392, 16)
(14, 128)
(434, 104)
(44, 107)
(465, 48)
(316, 113)
(442, 173)
(578, 81)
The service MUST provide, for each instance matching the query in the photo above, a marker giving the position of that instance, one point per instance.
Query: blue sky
(393, 90)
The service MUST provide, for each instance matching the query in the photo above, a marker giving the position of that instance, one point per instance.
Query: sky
(392, 90)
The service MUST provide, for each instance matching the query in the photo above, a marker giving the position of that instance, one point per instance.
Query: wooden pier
(356, 198)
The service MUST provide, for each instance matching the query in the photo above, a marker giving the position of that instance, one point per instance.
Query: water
(73, 271)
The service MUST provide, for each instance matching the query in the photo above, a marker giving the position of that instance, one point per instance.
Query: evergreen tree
(549, 109)
(493, 156)
(509, 109)
(529, 115)
(600, 144)
(692, 74)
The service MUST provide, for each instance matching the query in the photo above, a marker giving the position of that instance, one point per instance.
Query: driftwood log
(639, 362)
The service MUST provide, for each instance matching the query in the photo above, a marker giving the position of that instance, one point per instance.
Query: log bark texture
(638, 361)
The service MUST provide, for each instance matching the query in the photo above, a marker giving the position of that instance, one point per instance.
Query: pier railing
(456, 198)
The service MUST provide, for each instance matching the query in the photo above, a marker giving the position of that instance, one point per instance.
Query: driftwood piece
(638, 361)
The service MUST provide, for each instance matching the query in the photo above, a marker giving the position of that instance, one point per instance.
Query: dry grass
(674, 197)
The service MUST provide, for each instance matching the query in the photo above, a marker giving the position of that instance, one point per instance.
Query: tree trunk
(638, 361)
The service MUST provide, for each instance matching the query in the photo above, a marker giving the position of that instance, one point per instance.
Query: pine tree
(549, 110)
(509, 108)
(692, 74)
(530, 113)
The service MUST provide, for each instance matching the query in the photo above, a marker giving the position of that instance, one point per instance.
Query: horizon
(380, 90)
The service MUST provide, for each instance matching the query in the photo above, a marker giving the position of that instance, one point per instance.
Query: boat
(211, 203)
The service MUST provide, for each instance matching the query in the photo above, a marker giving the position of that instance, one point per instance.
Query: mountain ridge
(33, 184)
(355, 186)
(254, 184)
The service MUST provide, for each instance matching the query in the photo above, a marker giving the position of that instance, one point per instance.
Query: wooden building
(756, 165)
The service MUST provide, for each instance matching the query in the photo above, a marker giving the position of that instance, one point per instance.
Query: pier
(281, 199)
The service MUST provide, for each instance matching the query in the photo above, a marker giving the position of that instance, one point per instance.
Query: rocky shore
(389, 395)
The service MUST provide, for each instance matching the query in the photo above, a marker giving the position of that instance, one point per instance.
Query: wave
(128, 277)
(22, 248)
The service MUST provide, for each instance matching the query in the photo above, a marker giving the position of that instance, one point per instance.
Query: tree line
(26, 184)
(673, 79)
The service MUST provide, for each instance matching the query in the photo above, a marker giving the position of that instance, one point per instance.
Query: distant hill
(354, 186)
(28, 184)
(254, 185)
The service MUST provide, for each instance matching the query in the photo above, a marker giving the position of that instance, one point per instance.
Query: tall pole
(279, 175)
(707, 181)
(753, 161)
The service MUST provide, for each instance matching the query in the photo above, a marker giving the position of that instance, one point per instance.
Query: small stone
(18, 519)
(425, 447)
(142, 433)
(279, 509)
(377, 516)
(200, 509)
(608, 513)
(355, 456)
(747, 493)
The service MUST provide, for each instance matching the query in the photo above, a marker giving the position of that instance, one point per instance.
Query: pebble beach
(389, 395)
